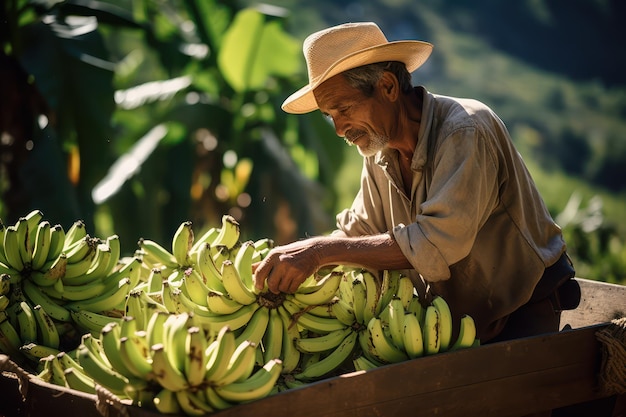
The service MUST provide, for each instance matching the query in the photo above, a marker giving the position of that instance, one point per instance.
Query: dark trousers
(555, 292)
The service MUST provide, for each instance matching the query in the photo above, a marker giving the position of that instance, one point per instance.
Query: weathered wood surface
(600, 303)
(512, 378)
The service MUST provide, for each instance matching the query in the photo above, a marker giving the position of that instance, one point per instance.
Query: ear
(388, 86)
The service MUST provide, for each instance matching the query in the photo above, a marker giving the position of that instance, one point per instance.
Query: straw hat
(340, 48)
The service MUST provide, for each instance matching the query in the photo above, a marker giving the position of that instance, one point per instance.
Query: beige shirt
(474, 228)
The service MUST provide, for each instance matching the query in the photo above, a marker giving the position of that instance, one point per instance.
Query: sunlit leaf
(253, 50)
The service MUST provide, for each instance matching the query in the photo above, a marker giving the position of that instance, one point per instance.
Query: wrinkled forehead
(335, 93)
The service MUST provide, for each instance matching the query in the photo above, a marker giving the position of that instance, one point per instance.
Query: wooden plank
(511, 378)
(600, 302)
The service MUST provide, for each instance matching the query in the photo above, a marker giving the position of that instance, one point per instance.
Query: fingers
(261, 271)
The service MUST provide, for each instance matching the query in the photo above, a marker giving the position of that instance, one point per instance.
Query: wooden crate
(553, 374)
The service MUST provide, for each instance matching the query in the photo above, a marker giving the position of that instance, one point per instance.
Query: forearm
(286, 267)
(377, 252)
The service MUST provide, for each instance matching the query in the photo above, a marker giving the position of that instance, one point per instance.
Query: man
(444, 195)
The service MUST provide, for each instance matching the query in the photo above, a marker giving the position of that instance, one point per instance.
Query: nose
(341, 127)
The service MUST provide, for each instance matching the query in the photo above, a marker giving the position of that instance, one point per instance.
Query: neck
(409, 120)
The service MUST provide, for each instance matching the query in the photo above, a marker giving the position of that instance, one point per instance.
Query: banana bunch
(409, 330)
(173, 366)
(184, 247)
(58, 284)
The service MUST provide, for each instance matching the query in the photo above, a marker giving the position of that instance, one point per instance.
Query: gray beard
(375, 144)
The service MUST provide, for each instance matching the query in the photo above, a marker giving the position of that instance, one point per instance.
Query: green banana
(27, 323)
(325, 292)
(114, 244)
(256, 327)
(191, 403)
(57, 240)
(412, 336)
(51, 274)
(194, 287)
(221, 349)
(36, 296)
(137, 308)
(80, 250)
(343, 312)
(104, 375)
(290, 354)
(41, 246)
(11, 248)
(175, 338)
(257, 386)
(165, 373)
(133, 351)
(154, 281)
(92, 322)
(324, 343)
(330, 362)
(67, 361)
(235, 286)
(372, 295)
(415, 307)
(75, 292)
(165, 402)
(214, 400)
(4, 302)
(206, 237)
(110, 341)
(37, 351)
(320, 325)
(58, 373)
(385, 349)
(47, 329)
(430, 331)
(445, 322)
(273, 337)
(359, 294)
(195, 358)
(208, 269)
(243, 263)
(396, 322)
(10, 341)
(220, 303)
(155, 327)
(155, 253)
(76, 232)
(406, 291)
(241, 363)
(79, 259)
(362, 363)
(109, 300)
(5, 284)
(130, 268)
(101, 263)
(172, 299)
(182, 242)
(389, 286)
(24, 247)
(229, 233)
(467, 333)
(79, 381)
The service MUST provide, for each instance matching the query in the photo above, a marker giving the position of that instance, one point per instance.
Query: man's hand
(286, 267)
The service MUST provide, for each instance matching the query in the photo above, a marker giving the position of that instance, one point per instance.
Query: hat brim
(412, 53)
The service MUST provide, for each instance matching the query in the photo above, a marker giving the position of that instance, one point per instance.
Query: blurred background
(137, 115)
